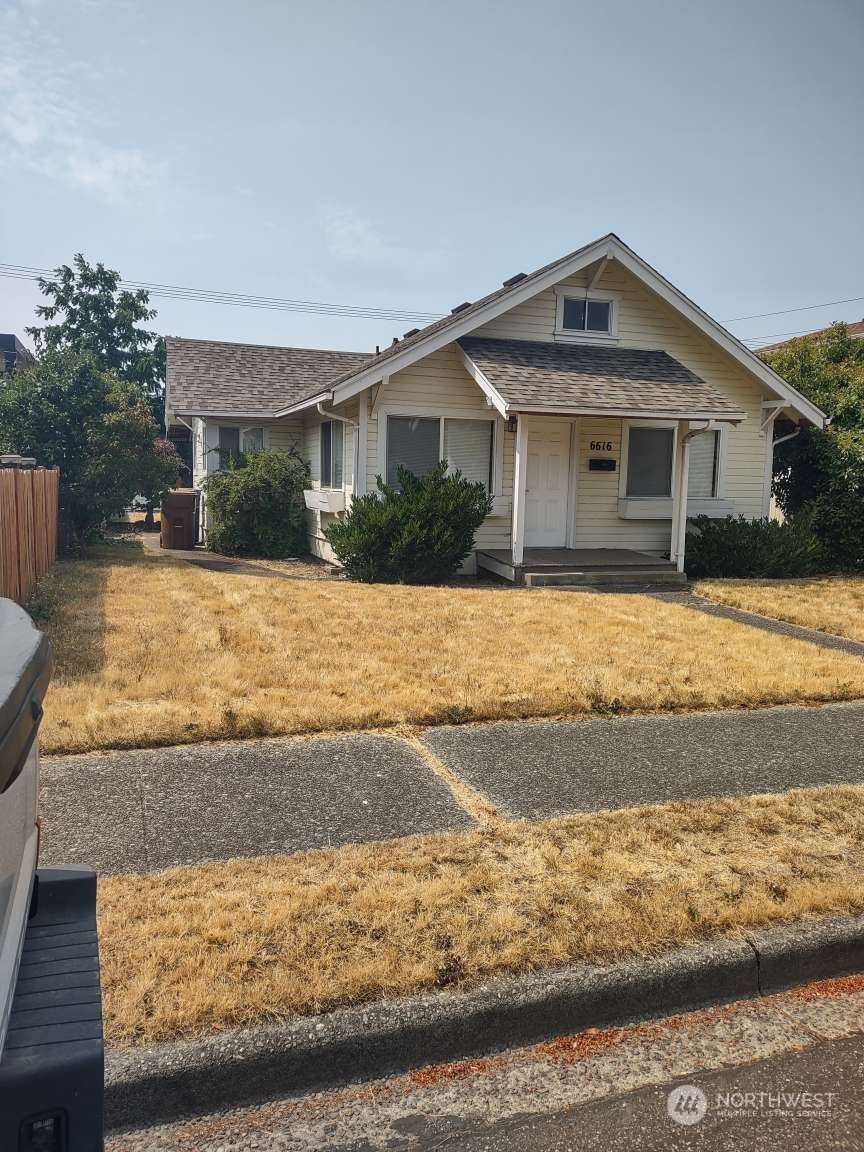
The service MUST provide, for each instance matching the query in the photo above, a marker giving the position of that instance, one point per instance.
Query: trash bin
(179, 519)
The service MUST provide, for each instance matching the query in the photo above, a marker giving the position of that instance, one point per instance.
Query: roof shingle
(215, 376)
(550, 377)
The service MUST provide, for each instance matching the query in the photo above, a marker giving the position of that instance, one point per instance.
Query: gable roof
(213, 377)
(465, 319)
(575, 379)
(854, 327)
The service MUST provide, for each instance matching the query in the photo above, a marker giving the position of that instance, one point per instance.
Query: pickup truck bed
(52, 1064)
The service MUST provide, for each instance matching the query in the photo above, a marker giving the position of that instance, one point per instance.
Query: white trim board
(610, 247)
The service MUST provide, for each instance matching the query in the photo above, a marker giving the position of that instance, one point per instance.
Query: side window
(332, 453)
(703, 470)
(252, 440)
(229, 445)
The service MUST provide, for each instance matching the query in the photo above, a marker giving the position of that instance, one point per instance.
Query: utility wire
(320, 308)
(237, 299)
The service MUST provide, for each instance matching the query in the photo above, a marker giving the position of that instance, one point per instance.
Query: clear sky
(412, 154)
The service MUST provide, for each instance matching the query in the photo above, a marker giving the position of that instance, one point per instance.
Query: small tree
(69, 413)
(256, 507)
(417, 533)
(823, 470)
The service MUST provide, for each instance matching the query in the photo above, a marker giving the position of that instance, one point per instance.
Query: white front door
(547, 484)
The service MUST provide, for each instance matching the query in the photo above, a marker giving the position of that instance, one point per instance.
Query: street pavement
(598, 1091)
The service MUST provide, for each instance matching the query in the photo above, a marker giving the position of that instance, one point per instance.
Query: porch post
(679, 501)
(520, 470)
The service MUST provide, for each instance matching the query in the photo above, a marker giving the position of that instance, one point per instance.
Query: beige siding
(435, 386)
(286, 435)
(645, 321)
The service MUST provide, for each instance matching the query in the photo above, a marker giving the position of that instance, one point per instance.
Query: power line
(320, 308)
(803, 308)
(242, 300)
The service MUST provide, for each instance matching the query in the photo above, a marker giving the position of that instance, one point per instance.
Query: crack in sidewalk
(468, 798)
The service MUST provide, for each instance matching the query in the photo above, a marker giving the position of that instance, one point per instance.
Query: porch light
(512, 423)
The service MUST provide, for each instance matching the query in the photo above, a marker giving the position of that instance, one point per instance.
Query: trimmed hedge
(417, 533)
(738, 547)
(256, 508)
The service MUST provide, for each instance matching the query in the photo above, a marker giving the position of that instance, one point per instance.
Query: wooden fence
(28, 528)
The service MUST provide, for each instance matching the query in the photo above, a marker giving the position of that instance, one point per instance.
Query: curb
(172, 1080)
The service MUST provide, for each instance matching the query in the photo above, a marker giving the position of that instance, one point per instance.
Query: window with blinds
(414, 442)
(468, 449)
(649, 461)
(418, 443)
(702, 473)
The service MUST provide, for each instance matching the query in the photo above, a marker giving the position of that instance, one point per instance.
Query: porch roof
(564, 379)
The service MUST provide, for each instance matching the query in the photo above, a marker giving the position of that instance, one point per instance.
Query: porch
(581, 567)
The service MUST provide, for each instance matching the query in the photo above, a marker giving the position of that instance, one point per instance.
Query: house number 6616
(601, 446)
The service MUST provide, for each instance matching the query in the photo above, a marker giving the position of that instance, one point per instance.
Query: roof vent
(410, 332)
(395, 341)
(514, 279)
(460, 307)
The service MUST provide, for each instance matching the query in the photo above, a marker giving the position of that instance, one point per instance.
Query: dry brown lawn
(222, 944)
(151, 650)
(832, 604)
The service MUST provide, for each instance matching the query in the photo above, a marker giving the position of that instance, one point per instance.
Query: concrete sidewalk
(154, 808)
(539, 769)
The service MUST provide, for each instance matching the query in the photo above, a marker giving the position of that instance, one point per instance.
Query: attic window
(582, 317)
(587, 315)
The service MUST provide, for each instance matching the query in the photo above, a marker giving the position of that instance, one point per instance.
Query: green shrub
(755, 548)
(257, 508)
(418, 533)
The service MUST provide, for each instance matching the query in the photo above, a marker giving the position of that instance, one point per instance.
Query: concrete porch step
(599, 578)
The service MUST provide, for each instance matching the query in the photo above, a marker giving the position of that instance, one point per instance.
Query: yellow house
(599, 405)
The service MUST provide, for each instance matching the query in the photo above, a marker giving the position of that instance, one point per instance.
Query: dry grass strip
(222, 944)
(832, 604)
(152, 651)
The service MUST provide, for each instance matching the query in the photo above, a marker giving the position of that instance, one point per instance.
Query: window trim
(330, 487)
(575, 336)
(626, 425)
(719, 465)
(442, 414)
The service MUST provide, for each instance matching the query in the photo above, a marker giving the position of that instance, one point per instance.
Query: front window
(418, 443)
(649, 461)
(704, 466)
(332, 453)
(581, 315)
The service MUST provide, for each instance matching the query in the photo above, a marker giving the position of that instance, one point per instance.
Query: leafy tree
(90, 313)
(68, 412)
(822, 471)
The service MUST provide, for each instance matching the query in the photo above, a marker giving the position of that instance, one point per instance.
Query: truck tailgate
(52, 1063)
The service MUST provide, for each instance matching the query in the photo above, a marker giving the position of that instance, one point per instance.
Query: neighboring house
(599, 406)
(855, 329)
(13, 354)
